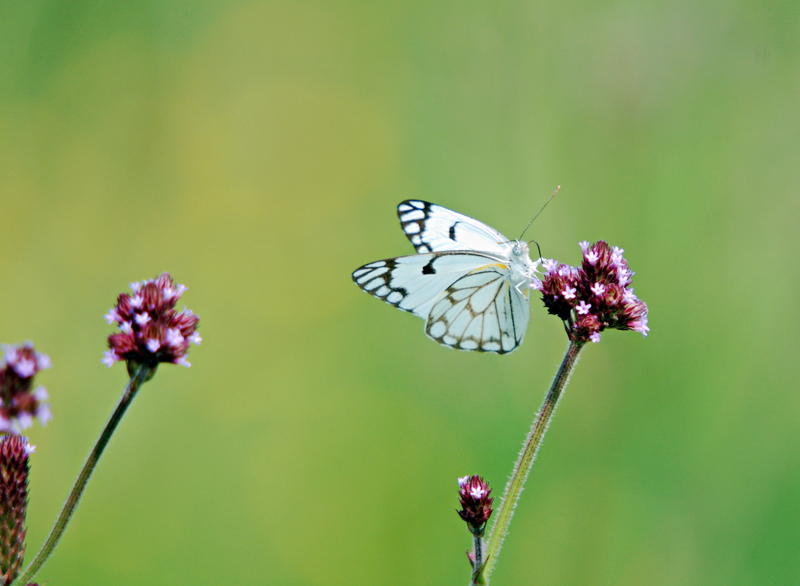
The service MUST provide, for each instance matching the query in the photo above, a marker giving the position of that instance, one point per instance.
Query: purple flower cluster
(19, 401)
(151, 331)
(476, 504)
(595, 296)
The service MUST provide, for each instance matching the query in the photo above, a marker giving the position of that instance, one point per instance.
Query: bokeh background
(257, 151)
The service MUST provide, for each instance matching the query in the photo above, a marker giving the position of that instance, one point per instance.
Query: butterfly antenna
(539, 212)
(537, 247)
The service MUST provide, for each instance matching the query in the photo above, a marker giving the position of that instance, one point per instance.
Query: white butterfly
(469, 282)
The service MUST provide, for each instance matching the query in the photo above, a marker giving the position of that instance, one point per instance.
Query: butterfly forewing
(414, 283)
(432, 228)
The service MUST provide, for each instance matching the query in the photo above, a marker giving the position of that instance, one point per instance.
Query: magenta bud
(476, 504)
(14, 466)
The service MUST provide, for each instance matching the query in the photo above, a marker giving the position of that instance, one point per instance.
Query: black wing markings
(376, 277)
(413, 214)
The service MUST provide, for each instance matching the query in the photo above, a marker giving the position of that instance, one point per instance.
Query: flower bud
(476, 504)
(14, 466)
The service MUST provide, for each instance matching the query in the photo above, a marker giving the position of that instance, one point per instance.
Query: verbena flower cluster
(595, 296)
(151, 331)
(20, 402)
(14, 468)
(476, 504)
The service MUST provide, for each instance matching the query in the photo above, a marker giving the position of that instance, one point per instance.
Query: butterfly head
(520, 260)
(519, 248)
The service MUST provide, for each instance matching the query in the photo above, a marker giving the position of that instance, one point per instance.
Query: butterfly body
(468, 282)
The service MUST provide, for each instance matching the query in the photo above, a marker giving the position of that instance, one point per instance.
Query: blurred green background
(257, 151)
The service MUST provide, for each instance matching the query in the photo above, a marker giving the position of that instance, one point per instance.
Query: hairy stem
(74, 498)
(529, 449)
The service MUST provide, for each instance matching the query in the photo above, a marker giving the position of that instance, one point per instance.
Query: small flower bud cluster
(19, 401)
(595, 296)
(14, 467)
(151, 331)
(476, 504)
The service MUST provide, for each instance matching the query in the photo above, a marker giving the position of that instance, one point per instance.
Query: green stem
(67, 511)
(477, 565)
(523, 466)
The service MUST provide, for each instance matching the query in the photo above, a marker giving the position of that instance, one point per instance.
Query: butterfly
(468, 282)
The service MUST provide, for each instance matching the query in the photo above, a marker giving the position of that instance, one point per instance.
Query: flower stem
(71, 504)
(477, 565)
(531, 446)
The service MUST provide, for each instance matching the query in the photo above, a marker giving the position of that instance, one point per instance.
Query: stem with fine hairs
(531, 446)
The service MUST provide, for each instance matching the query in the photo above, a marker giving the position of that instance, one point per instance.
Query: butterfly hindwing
(481, 311)
(433, 228)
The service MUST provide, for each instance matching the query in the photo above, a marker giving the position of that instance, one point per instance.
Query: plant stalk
(477, 565)
(531, 446)
(141, 375)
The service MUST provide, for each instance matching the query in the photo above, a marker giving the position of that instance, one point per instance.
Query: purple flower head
(14, 467)
(595, 296)
(20, 402)
(151, 331)
(476, 504)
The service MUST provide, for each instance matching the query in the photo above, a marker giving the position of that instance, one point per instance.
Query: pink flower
(151, 331)
(549, 265)
(600, 283)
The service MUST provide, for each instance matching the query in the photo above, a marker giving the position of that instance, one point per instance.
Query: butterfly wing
(415, 283)
(433, 228)
(460, 281)
(481, 311)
